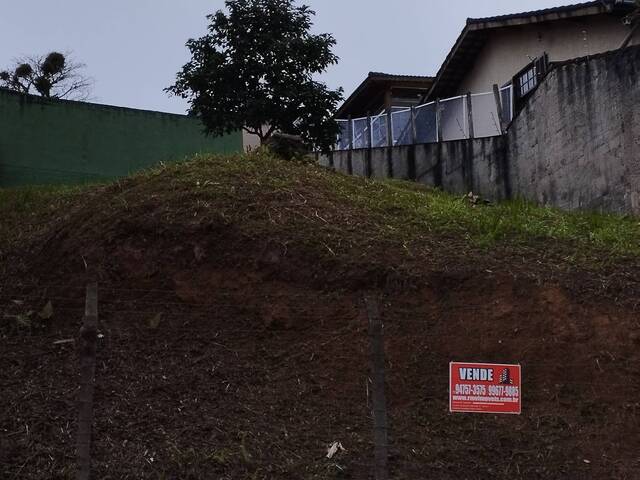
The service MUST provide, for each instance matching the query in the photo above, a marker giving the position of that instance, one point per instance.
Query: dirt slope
(234, 342)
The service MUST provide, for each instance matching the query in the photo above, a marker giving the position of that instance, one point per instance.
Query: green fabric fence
(58, 141)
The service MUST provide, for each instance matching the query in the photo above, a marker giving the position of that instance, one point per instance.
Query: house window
(528, 80)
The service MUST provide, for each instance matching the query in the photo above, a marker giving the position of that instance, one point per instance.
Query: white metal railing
(444, 120)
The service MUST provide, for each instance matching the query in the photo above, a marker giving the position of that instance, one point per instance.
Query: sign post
(485, 388)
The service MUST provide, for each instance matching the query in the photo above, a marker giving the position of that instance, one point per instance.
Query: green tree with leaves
(52, 76)
(256, 70)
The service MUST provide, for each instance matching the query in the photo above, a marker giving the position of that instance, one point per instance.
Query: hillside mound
(234, 344)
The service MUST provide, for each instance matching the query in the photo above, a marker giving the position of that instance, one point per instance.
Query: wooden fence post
(87, 351)
(380, 429)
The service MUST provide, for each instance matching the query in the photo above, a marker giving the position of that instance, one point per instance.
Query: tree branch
(67, 82)
(272, 129)
(252, 132)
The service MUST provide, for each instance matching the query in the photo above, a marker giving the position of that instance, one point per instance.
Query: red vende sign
(484, 388)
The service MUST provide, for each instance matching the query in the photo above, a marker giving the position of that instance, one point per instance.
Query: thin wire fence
(224, 348)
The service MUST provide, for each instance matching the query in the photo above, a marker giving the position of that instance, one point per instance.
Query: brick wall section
(576, 145)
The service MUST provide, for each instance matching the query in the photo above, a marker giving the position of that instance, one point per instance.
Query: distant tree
(255, 70)
(51, 76)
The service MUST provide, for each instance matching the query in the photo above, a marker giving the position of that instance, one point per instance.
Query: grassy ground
(416, 209)
(403, 210)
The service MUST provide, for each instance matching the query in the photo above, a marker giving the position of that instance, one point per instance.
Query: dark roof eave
(543, 15)
(373, 78)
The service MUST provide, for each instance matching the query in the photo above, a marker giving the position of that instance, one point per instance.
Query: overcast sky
(133, 48)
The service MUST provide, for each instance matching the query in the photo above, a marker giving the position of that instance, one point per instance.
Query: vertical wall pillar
(350, 132)
(496, 94)
(368, 153)
(470, 115)
(438, 121)
(350, 151)
(414, 131)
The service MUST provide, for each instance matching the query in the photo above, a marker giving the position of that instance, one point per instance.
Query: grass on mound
(518, 221)
(401, 210)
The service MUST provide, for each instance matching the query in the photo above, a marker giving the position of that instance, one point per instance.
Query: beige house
(485, 127)
(494, 50)
(511, 52)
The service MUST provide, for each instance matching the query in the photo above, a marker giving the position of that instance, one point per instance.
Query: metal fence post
(380, 428)
(496, 94)
(438, 121)
(87, 349)
(389, 129)
(367, 160)
(389, 143)
(512, 100)
(414, 132)
(352, 139)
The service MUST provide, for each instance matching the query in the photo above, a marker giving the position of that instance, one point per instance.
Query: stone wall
(575, 145)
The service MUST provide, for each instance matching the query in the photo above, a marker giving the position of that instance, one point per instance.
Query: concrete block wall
(380, 162)
(359, 163)
(575, 145)
(461, 166)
